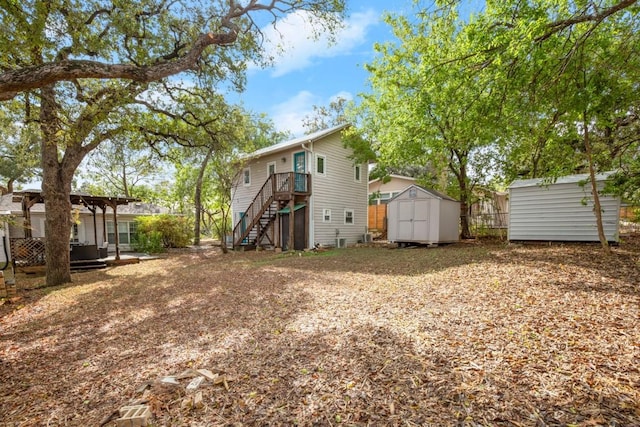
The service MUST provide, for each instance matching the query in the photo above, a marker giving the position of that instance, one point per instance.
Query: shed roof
(568, 179)
(433, 193)
(297, 141)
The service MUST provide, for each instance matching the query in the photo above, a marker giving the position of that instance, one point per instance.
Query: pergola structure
(31, 197)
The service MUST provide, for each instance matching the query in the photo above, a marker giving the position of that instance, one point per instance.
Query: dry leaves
(468, 334)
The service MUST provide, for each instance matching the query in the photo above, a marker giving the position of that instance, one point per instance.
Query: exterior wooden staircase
(259, 217)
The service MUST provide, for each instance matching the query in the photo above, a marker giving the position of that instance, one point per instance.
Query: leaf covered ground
(468, 334)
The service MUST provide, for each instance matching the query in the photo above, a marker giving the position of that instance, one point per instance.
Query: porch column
(114, 206)
(104, 223)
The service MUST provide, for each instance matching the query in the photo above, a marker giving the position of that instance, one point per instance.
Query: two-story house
(307, 191)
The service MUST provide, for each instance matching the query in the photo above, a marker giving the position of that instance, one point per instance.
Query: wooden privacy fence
(377, 218)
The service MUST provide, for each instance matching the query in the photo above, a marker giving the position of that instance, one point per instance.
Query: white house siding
(338, 191)
(562, 211)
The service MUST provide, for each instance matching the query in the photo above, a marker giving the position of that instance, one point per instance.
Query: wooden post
(104, 223)
(292, 204)
(115, 227)
(27, 204)
(93, 209)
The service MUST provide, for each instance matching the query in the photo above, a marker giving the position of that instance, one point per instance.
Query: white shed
(419, 215)
(560, 211)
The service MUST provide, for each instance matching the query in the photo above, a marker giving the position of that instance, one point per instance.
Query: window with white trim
(326, 215)
(246, 177)
(126, 232)
(348, 216)
(357, 173)
(321, 165)
(271, 168)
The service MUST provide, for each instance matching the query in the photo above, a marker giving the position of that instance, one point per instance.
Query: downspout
(312, 233)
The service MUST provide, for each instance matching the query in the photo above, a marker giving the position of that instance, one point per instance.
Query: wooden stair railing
(261, 213)
(252, 215)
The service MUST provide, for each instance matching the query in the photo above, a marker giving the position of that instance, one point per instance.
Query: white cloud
(342, 94)
(289, 115)
(293, 46)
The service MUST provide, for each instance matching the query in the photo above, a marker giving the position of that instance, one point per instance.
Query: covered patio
(28, 251)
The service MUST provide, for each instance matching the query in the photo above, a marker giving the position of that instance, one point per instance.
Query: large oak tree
(83, 63)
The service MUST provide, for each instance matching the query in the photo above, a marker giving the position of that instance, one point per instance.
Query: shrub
(157, 232)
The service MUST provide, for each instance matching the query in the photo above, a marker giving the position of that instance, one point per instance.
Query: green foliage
(156, 232)
(325, 117)
(149, 242)
(19, 143)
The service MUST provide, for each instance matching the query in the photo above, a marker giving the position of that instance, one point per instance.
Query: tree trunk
(461, 174)
(597, 207)
(222, 231)
(465, 232)
(197, 199)
(56, 190)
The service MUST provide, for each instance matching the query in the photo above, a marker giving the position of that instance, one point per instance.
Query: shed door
(421, 220)
(405, 220)
(413, 220)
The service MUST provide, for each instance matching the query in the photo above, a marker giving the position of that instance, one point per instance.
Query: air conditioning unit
(367, 238)
(341, 242)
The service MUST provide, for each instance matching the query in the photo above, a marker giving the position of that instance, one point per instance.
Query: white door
(405, 220)
(421, 220)
(413, 220)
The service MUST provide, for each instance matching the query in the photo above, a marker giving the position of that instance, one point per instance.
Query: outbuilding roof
(433, 193)
(568, 179)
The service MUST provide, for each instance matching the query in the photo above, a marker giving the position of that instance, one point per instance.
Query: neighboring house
(312, 177)
(381, 192)
(421, 215)
(561, 211)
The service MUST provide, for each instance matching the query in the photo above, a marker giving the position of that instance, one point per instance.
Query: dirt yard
(470, 334)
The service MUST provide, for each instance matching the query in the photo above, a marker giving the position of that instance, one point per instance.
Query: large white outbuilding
(419, 215)
(561, 211)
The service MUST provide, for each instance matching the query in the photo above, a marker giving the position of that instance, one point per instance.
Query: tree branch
(15, 81)
(558, 26)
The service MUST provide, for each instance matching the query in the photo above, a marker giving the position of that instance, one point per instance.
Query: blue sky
(313, 72)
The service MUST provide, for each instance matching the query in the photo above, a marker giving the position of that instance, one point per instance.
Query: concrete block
(134, 416)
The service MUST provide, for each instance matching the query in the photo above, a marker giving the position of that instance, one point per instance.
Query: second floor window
(246, 177)
(321, 164)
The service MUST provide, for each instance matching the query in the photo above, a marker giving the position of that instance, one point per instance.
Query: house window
(126, 232)
(246, 177)
(348, 216)
(357, 173)
(326, 215)
(321, 165)
(271, 168)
